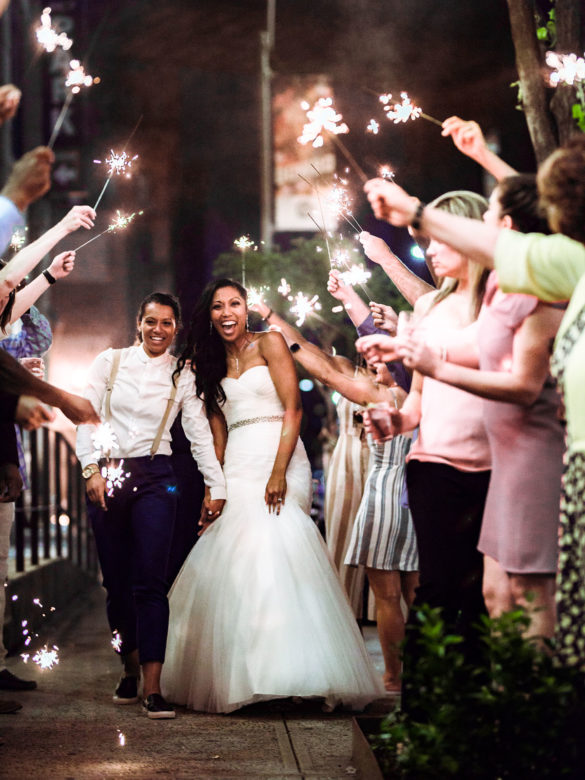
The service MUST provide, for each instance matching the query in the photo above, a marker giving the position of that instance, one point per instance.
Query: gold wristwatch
(90, 470)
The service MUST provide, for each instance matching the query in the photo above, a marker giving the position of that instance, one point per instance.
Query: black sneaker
(10, 682)
(127, 691)
(156, 707)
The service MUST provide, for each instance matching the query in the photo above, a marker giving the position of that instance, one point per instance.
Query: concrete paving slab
(69, 729)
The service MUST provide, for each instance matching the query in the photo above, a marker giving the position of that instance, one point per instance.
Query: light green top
(553, 269)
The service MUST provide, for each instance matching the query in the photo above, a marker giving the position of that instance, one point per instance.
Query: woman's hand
(383, 421)
(467, 136)
(95, 488)
(275, 492)
(79, 410)
(384, 317)
(77, 217)
(62, 265)
(336, 287)
(375, 248)
(417, 355)
(261, 308)
(377, 348)
(390, 202)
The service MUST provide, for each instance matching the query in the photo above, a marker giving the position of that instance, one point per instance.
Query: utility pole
(266, 167)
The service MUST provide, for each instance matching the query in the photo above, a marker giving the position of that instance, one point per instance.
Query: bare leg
(151, 671)
(409, 584)
(536, 593)
(496, 588)
(387, 591)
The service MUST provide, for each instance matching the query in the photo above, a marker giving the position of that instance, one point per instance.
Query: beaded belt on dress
(252, 420)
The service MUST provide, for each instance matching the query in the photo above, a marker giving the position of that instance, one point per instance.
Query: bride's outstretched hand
(275, 493)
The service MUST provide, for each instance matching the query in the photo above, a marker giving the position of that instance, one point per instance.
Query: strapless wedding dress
(257, 611)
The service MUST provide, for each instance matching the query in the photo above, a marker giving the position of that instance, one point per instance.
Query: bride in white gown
(257, 611)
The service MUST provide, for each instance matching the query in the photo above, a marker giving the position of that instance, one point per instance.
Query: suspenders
(117, 354)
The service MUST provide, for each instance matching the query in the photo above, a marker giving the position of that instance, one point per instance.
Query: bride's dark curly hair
(205, 348)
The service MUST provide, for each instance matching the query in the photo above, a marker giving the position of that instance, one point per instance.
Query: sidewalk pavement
(69, 729)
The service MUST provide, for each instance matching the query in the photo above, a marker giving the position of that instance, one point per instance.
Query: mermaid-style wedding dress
(257, 611)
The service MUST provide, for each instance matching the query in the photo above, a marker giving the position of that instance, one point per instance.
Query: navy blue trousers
(133, 540)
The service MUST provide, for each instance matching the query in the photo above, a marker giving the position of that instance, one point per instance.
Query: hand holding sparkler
(77, 217)
(30, 177)
(375, 248)
(378, 348)
(469, 139)
(9, 101)
(336, 287)
(385, 318)
(62, 265)
(390, 202)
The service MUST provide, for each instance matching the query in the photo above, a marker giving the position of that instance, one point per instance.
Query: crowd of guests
(458, 476)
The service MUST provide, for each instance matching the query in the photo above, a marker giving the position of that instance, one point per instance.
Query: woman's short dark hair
(561, 186)
(205, 349)
(163, 299)
(518, 199)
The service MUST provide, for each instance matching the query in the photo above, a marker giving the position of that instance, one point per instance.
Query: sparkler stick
(60, 119)
(350, 158)
(405, 110)
(322, 230)
(119, 163)
(243, 243)
(76, 79)
(120, 223)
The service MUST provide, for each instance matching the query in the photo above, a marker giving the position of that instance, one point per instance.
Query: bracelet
(49, 277)
(294, 347)
(270, 313)
(415, 221)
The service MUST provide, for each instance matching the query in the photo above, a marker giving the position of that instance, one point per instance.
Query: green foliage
(515, 714)
(546, 32)
(305, 266)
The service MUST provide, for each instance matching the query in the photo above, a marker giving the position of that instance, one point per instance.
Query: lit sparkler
(256, 294)
(373, 127)
(104, 440)
(386, 172)
(284, 288)
(49, 37)
(323, 118)
(121, 222)
(567, 68)
(46, 658)
(303, 306)
(243, 243)
(340, 259)
(117, 642)
(405, 110)
(74, 81)
(18, 239)
(114, 476)
(355, 274)
(118, 164)
(339, 201)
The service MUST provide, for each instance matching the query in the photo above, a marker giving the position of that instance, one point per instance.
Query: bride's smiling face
(228, 313)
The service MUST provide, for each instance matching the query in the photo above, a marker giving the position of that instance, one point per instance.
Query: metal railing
(51, 519)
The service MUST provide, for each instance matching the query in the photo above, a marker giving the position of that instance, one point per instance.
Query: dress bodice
(251, 395)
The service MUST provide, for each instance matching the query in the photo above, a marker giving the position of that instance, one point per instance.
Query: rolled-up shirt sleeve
(196, 427)
(548, 267)
(97, 379)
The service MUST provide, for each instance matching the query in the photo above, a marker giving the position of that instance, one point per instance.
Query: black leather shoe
(127, 691)
(10, 682)
(8, 707)
(156, 707)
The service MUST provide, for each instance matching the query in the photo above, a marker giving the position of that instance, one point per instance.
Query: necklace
(235, 358)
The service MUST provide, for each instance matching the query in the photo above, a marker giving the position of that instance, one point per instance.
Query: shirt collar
(157, 361)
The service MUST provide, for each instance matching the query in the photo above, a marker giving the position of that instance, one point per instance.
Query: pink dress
(521, 518)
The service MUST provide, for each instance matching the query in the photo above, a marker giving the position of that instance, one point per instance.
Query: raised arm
(408, 283)
(23, 263)
(357, 310)
(469, 139)
(61, 267)
(472, 238)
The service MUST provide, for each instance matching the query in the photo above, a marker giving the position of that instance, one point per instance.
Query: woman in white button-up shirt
(133, 522)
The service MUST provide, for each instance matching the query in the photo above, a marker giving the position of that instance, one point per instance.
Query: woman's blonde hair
(464, 204)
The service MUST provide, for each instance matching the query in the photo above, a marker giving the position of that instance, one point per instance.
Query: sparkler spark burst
(355, 274)
(118, 163)
(77, 77)
(46, 658)
(117, 642)
(256, 294)
(339, 202)
(284, 288)
(322, 118)
(122, 221)
(243, 243)
(303, 306)
(567, 68)
(18, 239)
(400, 112)
(373, 127)
(104, 440)
(114, 476)
(340, 259)
(386, 172)
(48, 36)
